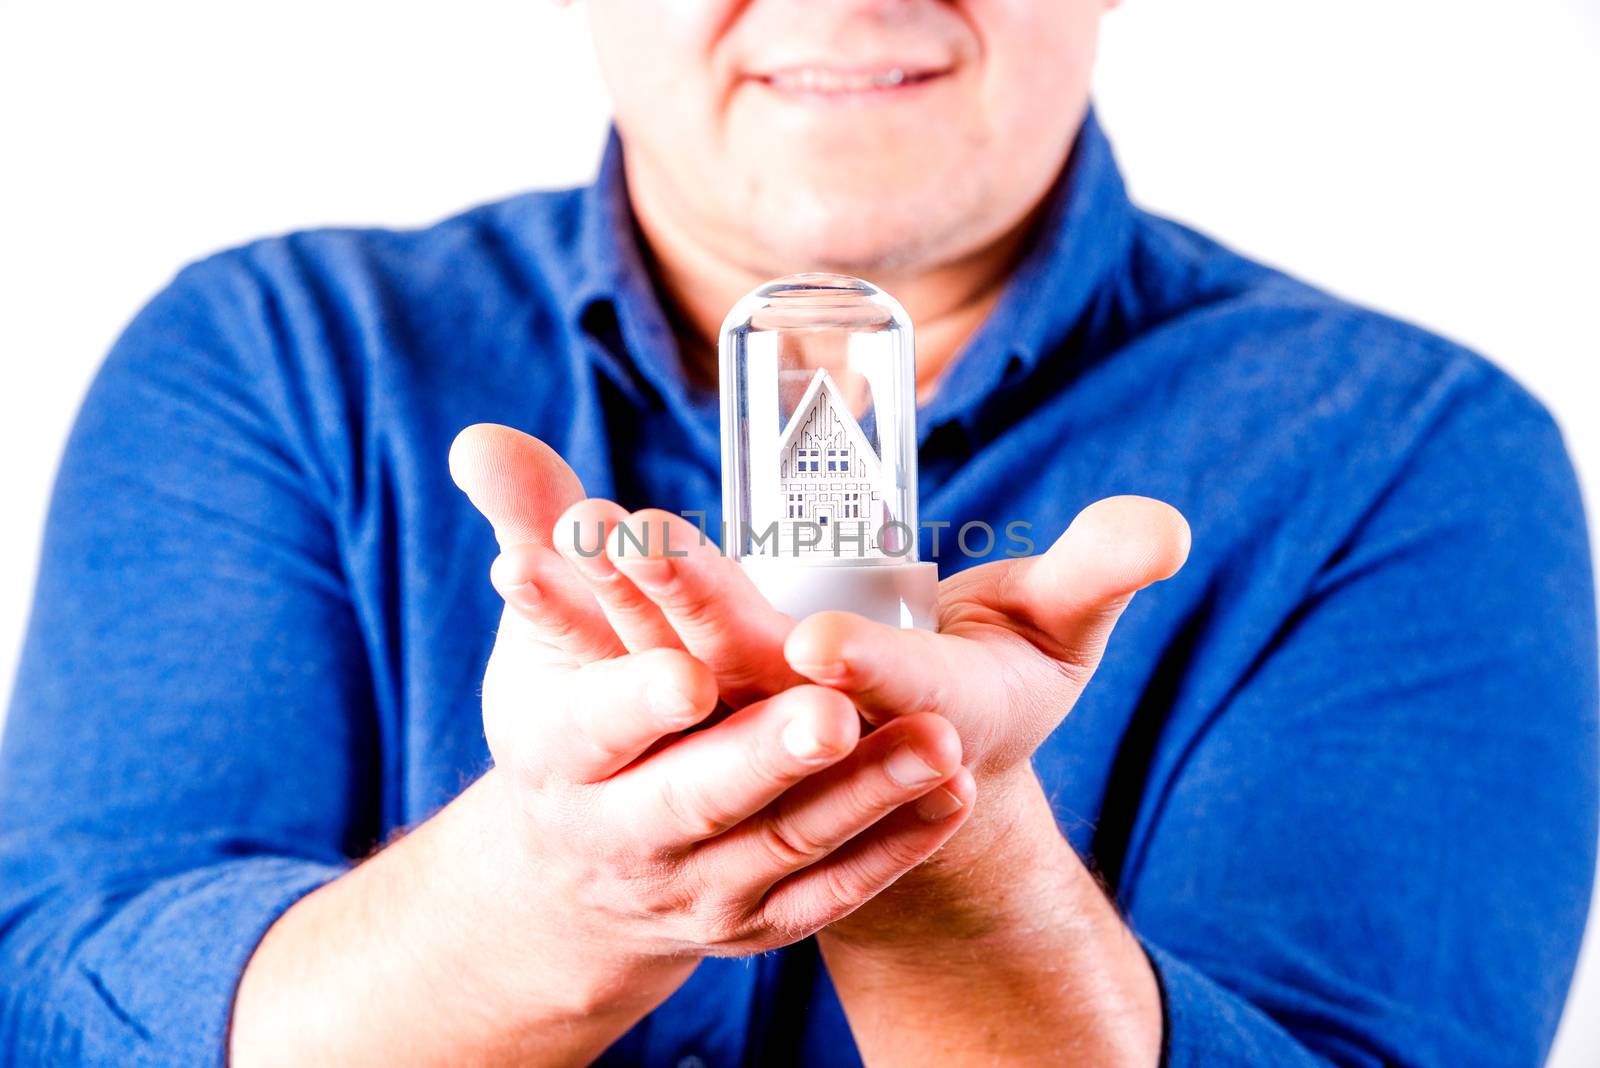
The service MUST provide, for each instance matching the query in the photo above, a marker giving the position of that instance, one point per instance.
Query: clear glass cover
(819, 444)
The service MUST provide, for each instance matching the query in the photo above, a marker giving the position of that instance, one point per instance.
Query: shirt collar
(613, 301)
(610, 267)
(1081, 240)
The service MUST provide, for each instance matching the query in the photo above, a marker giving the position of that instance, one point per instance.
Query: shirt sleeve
(1379, 847)
(190, 745)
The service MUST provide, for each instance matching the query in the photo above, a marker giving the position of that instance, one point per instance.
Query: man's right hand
(647, 837)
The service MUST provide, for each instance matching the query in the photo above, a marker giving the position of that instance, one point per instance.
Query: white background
(1436, 158)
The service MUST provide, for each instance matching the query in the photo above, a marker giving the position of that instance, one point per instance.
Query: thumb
(1072, 595)
(517, 481)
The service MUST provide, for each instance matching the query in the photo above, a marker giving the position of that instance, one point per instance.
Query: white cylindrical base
(901, 595)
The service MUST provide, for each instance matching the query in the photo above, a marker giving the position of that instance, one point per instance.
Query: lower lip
(878, 94)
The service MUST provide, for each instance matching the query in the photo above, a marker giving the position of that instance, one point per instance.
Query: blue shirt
(1340, 771)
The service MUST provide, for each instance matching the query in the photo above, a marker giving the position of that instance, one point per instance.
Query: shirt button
(691, 1061)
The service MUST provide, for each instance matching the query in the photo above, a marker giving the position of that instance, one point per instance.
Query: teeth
(817, 80)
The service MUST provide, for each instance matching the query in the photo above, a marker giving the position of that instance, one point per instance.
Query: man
(1328, 795)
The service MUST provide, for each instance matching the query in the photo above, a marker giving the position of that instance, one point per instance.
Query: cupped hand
(656, 829)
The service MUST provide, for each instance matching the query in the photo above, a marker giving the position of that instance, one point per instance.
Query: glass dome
(819, 448)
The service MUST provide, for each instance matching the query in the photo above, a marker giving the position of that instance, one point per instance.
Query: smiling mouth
(826, 82)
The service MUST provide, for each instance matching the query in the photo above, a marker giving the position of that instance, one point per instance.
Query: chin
(861, 229)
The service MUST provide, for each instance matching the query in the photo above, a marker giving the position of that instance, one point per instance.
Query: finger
(581, 537)
(538, 584)
(846, 879)
(517, 481)
(709, 601)
(891, 767)
(889, 672)
(611, 711)
(704, 783)
(1070, 598)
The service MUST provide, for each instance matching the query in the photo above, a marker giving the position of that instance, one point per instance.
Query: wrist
(539, 945)
(442, 948)
(993, 877)
(1011, 822)
(1010, 922)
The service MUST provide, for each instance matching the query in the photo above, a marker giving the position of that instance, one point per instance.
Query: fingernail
(941, 804)
(906, 768)
(800, 739)
(526, 595)
(670, 705)
(647, 570)
(829, 672)
(597, 566)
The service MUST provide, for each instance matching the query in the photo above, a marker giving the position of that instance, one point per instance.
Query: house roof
(821, 382)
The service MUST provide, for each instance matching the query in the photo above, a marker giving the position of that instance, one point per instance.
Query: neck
(698, 283)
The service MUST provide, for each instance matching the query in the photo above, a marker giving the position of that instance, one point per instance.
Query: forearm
(1001, 950)
(439, 950)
